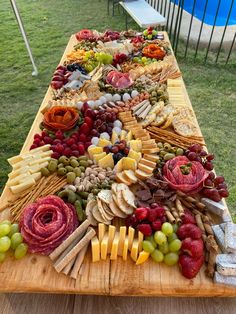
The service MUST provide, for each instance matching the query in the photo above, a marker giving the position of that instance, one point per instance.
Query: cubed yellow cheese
(123, 134)
(135, 155)
(136, 145)
(129, 163)
(134, 250)
(143, 256)
(114, 138)
(95, 246)
(129, 136)
(131, 232)
(122, 240)
(97, 157)
(104, 246)
(101, 231)
(115, 245)
(106, 161)
(22, 186)
(18, 172)
(140, 241)
(125, 249)
(111, 235)
(17, 180)
(94, 150)
(103, 142)
(119, 166)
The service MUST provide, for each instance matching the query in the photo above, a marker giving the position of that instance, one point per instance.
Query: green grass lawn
(49, 25)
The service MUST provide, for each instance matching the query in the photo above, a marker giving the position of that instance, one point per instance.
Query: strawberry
(84, 128)
(145, 229)
(193, 248)
(141, 213)
(156, 225)
(81, 149)
(190, 266)
(89, 121)
(159, 211)
(131, 221)
(188, 218)
(189, 231)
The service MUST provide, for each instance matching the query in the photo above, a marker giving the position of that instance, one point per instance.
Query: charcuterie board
(34, 273)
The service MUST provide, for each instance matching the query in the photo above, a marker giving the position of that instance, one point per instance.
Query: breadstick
(84, 241)
(69, 240)
(179, 207)
(78, 262)
(68, 267)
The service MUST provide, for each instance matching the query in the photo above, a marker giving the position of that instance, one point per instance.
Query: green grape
(5, 244)
(135, 59)
(147, 246)
(85, 58)
(21, 250)
(171, 259)
(175, 227)
(14, 229)
(2, 256)
(149, 36)
(164, 248)
(160, 237)
(5, 222)
(175, 245)
(16, 239)
(167, 228)
(154, 32)
(87, 54)
(151, 239)
(144, 59)
(157, 256)
(4, 229)
(145, 32)
(172, 237)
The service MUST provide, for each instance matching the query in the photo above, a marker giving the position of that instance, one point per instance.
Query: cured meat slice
(119, 80)
(46, 223)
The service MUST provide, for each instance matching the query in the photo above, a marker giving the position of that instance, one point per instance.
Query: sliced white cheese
(23, 186)
(37, 168)
(37, 176)
(17, 172)
(18, 179)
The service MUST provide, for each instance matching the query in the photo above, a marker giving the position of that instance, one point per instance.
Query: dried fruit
(190, 266)
(192, 247)
(189, 231)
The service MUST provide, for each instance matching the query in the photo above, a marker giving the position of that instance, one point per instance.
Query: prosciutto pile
(188, 182)
(46, 223)
(119, 80)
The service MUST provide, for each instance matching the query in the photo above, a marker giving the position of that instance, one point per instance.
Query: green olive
(77, 171)
(61, 159)
(66, 161)
(83, 163)
(169, 156)
(61, 165)
(95, 191)
(167, 146)
(82, 168)
(179, 152)
(45, 172)
(160, 144)
(70, 177)
(61, 171)
(84, 195)
(69, 168)
(82, 158)
(74, 163)
(52, 166)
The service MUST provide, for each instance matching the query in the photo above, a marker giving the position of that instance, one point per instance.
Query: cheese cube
(104, 246)
(101, 231)
(134, 250)
(123, 134)
(122, 240)
(114, 138)
(97, 157)
(136, 145)
(131, 232)
(135, 155)
(129, 163)
(140, 241)
(114, 248)
(125, 249)
(94, 150)
(106, 161)
(143, 256)
(103, 142)
(95, 246)
(111, 235)
(129, 136)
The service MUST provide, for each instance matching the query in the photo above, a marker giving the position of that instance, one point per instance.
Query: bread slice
(144, 138)
(149, 146)
(151, 141)
(151, 157)
(122, 179)
(148, 163)
(130, 176)
(142, 175)
(145, 168)
(150, 150)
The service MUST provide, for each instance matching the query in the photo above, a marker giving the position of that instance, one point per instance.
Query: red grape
(33, 146)
(126, 150)
(87, 144)
(73, 147)
(37, 136)
(208, 182)
(223, 193)
(222, 186)
(56, 141)
(84, 128)
(213, 194)
(55, 155)
(115, 149)
(75, 153)
(192, 156)
(219, 179)
(106, 149)
(210, 157)
(196, 148)
(94, 132)
(59, 148)
(208, 165)
(67, 152)
(44, 133)
(203, 153)
(59, 135)
(211, 175)
(70, 141)
(81, 149)
(48, 140)
(37, 141)
(82, 138)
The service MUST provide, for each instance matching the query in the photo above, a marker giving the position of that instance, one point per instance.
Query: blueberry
(119, 155)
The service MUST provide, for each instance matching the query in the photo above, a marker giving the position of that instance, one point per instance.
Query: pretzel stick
(84, 241)
(68, 267)
(78, 262)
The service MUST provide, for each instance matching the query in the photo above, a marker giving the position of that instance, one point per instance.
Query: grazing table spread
(113, 192)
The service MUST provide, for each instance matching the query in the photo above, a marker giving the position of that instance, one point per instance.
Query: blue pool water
(211, 11)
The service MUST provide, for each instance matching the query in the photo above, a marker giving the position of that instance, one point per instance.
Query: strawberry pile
(191, 257)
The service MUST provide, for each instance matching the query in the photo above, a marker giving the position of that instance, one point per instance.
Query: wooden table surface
(71, 304)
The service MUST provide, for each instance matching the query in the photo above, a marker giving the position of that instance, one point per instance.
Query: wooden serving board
(35, 273)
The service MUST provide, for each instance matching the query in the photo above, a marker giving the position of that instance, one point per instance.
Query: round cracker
(184, 127)
(97, 215)
(168, 121)
(129, 198)
(160, 119)
(105, 196)
(102, 211)
(116, 211)
(124, 207)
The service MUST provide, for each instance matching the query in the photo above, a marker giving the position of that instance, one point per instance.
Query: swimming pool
(211, 9)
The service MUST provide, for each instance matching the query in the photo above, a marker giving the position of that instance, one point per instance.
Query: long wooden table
(35, 273)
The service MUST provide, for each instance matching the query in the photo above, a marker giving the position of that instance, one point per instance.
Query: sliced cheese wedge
(125, 249)
(17, 180)
(101, 231)
(147, 169)
(95, 246)
(143, 256)
(115, 245)
(122, 240)
(140, 241)
(104, 247)
(134, 250)
(131, 232)
(111, 235)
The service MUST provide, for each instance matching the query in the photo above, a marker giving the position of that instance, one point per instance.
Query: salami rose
(184, 175)
(46, 223)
